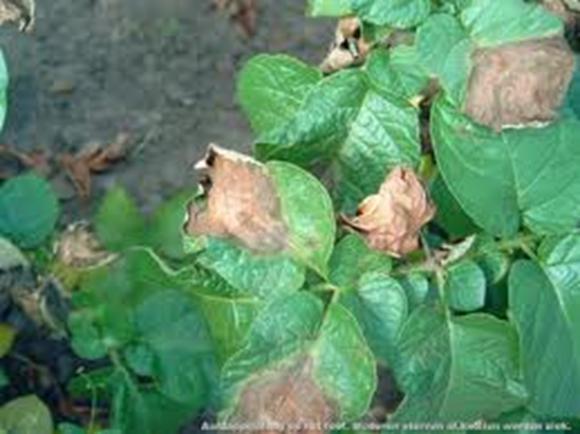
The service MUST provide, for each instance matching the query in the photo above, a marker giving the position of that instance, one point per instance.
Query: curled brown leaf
(391, 220)
(349, 47)
(519, 84)
(18, 11)
(242, 12)
(241, 203)
(13, 161)
(78, 247)
(287, 400)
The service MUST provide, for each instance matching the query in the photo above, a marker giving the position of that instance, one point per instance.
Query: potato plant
(412, 211)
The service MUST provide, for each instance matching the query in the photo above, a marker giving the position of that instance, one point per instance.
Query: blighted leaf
(520, 176)
(242, 204)
(272, 88)
(21, 12)
(391, 220)
(26, 415)
(544, 300)
(292, 343)
(78, 247)
(28, 210)
(349, 46)
(457, 369)
(519, 84)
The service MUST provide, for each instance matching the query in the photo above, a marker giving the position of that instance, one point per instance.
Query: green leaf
(26, 415)
(573, 97)
(352, 258)
(272, 88)
(457, 369)
(491, 259)
(11, 256)
(502, 180)
(380, 306)
(545, 305)
(28, 210)
(492, 23)
(397, 13)
(416, 287)
(325, 346)
(7, 335)
(3, 89)
(465, 286)
(450, 216)
(398, 71)
(118, 223)
(165, 230)
(347, 124)
(329, 8)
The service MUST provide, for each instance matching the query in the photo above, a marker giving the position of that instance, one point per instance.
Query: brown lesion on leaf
(391, 220)
(520, 84)
(240, 203)
(348, 48)
(18, 11)
(284, 401)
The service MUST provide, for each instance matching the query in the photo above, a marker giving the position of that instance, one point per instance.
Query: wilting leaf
(351, 259)
(78, 247)
(391, 220)
(457, 369)
(346, 124)
(527, 175)
(379, 304)
(28, 210)
(21, 12)
(26, 415)
(3, 88)
(544, 301)
(272, 88)
(465, 286)
(118, 223)
(295, 346)
(519, 84)
(348, 48)
(396, 13)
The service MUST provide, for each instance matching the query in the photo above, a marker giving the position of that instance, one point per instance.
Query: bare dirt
(162, 70)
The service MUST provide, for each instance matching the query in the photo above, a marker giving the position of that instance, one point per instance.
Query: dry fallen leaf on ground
(18, 11)
(241, 203)
(94, 158)
(283, 398)
(242, 12)
(349, 47)
(520, 84)
(391, 220)
(13, 161)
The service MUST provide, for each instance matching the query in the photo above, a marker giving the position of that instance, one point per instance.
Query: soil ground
(162, 70)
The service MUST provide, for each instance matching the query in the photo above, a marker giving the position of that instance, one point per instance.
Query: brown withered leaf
(519, 84)
(21, 12)
(391, 220)
(241, 203)
(286, 400)
(78, 247)
(244, 13)
(349, 47)
(13, 161)
(94, 158)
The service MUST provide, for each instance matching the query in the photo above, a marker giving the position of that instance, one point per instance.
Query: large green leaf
(457, 369)
(28, 210)
(272, 88)
(502, 180)
(3, 89)
(397, 13)
(118, 223)
(348, 123)
(324, 345)
(379, 304)
(545, 304)
(26, 415)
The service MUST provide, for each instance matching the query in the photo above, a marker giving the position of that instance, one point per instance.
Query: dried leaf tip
(391, 220)
(240, 203)
(348, 48)
(21, 12)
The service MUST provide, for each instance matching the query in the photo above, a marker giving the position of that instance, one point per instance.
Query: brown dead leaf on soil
(36, 160)
(391, 220)
(241, 203)
(21, 12)
(244, 13)
(349, 47)
(283, 399)
(520, 84)
(94, 158)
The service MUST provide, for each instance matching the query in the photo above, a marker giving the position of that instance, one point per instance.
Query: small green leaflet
(26, 415)
(465, 286)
